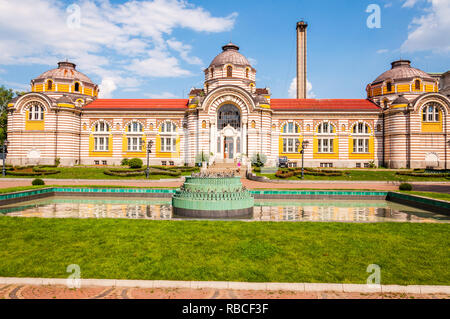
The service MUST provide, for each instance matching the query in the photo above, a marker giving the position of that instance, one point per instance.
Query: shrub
(372, 164)
(202, 157)
(57, 161)
(258, 159)
(135, 163)
(405, 187)
(124, 162)
(37, 181)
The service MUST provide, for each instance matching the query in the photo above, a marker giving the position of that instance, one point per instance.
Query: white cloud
(252, 61)
(107, 86)
(381, 51)
(292, 92)
(409, 3)
(430, 31)
(157, 64)
(184, 50)
(109, 38)
(388, 5)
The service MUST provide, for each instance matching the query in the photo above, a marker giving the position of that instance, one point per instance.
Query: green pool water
(264, 210)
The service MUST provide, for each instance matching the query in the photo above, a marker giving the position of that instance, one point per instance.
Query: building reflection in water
(344, 211)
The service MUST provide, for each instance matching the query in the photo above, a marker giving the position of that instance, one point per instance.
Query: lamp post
(5, 142)
(304, 145)
(149, 150)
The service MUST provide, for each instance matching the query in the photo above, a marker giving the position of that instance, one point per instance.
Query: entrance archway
(229, 132)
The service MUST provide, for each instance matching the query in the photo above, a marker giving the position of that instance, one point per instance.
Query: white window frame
(361, 128)
(101, 143)
(101, 127)
(361, 145)
(431, 116)
(36, 112)
(168, 144)
(135, 127)
(289, 145)
(134, 143)
(325, 145)
(168, 137)
(326, 128)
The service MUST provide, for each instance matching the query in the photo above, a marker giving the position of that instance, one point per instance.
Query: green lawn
(91, 173)
(361, 175)
(407, 253)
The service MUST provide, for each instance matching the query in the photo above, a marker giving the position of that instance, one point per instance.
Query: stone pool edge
(266, 286)
(434, 205)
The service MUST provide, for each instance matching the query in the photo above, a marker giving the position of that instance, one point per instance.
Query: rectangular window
(168, 144)
(358, 165)
(290, 145)
(361, 145)
(134, 144)
(104, 163)
(325, 145)
(101, 144)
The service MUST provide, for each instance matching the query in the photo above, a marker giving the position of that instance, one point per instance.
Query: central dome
(230, 55)
(402, 70)
(65, 71)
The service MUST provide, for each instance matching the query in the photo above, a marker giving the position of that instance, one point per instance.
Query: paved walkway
(441, 187)
(63, 292)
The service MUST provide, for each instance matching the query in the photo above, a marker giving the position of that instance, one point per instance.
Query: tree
(6, 95)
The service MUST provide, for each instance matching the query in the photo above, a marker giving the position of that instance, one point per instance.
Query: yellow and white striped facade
(230, 120)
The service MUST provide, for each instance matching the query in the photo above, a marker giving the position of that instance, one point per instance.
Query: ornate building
(403, 122)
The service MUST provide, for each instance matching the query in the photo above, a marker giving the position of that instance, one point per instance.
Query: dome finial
(230, 46)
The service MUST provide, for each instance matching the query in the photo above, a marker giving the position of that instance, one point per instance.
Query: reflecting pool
(264, 210)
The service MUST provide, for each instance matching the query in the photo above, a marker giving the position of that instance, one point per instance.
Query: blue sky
(158, 49)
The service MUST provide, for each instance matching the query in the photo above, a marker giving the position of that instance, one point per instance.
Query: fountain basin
(213, 197)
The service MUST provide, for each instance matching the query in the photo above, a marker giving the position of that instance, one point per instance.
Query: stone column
(244, 138)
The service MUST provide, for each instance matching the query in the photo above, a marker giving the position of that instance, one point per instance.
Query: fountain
(213, 195)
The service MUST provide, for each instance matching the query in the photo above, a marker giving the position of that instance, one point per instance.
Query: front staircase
(220, 167)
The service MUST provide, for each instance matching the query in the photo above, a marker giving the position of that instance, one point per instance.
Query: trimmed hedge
(281, 174)
(37, 171)
(423, 174)
(124, 173)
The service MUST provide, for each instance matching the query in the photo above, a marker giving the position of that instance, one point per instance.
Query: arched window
(229, 71)
(49, 85)
(77, 87)
(417, 85)
(168, 137)
(360, 128)
(246, 73)
(430, 112)
(228, 114)
(389, 86)
(36, 112)
(212, 72)
(361, 140)
(101, 137)
(135, 127)
(291, 128)
(326, 128)
(385, 103)
(168, 127)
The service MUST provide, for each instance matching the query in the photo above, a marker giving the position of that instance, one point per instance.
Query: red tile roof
(324, 105)
(137, 104)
